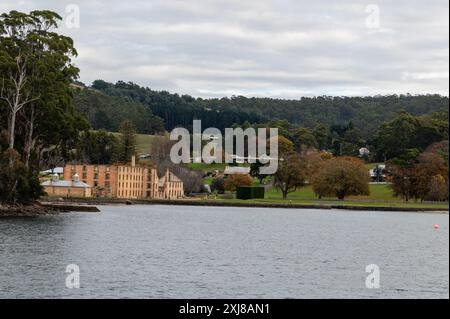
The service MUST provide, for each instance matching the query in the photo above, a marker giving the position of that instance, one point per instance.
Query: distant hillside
(143, 142)
(107, 112)
(366, 113)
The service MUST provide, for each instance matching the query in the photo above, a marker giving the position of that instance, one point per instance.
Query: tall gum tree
(36, 71)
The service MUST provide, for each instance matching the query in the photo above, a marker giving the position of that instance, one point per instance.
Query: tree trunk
(12, 129)
(29, 141)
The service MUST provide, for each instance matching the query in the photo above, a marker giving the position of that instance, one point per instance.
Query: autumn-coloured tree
(430, 169)
(438, 188)
(403, 181)
(424, 177)
(237, 180)
(341, 177)
(285, 146)
(314, 162)
(291, 174)
(440, 148)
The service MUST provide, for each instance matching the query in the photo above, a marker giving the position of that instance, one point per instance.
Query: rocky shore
(40, 209)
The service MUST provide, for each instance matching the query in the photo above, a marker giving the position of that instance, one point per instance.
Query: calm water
(200, 252)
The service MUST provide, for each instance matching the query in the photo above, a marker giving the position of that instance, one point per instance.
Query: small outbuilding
(73, 188)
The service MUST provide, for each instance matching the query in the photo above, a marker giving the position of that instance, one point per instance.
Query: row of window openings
(108, 176)
(84, 175)
(133, 177)
(128, 185)
(121, 169)
(126, 193)
(85, 168)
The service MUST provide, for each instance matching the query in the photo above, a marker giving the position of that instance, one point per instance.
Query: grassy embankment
(143, 142)
(380, 196)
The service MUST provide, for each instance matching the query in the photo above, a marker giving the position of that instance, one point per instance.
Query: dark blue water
(202, 252)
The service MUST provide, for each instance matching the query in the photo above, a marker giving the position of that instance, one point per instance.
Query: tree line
(365, 113)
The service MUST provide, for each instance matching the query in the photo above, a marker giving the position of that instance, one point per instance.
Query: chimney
(133, 161)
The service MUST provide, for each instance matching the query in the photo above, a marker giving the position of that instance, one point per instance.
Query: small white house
(236, 170)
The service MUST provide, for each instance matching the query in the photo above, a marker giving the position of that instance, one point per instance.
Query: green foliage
(127, 142)
(36, 110)
(255, 171)
(97, 147)
(178, 110)
(218, 185)
(304, 138)
(18, 184)
(322, 135)
(108, 112)
(409, 134)
(366, 113)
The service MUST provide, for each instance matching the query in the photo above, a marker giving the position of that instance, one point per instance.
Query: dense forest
(108, 112)
(365, 113)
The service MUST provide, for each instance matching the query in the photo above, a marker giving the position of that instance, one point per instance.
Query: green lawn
(206, 167)
(143, 142)
(380, 192)
(380, 195)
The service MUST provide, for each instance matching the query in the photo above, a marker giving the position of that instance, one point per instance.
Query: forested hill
(366, 113)
(108, 112)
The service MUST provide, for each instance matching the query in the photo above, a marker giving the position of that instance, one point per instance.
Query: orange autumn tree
(341, 177)
(234, 181)
(431, 176)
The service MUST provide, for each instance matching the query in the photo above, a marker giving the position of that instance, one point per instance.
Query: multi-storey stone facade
(127, 181)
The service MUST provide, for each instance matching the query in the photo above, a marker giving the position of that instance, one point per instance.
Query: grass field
(143, 142)
(380, 196)
(206, 167)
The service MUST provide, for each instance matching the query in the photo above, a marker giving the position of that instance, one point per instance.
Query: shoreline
(209, 203)
(43, 209)
(55, 206)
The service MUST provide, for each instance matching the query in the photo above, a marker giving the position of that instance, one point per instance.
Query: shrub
(17, 183)
(218, 185)
(234, 181)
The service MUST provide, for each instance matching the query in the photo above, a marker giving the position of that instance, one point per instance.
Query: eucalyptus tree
(36, 72)
(37, 115)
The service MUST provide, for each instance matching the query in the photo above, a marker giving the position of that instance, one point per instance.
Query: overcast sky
(284, 48)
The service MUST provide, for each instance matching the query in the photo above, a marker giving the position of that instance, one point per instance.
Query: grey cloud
(283, 48)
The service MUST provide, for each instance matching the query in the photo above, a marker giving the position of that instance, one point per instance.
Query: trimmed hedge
(249, 192)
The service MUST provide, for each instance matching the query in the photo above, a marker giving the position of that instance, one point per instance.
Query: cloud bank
(283, 49)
